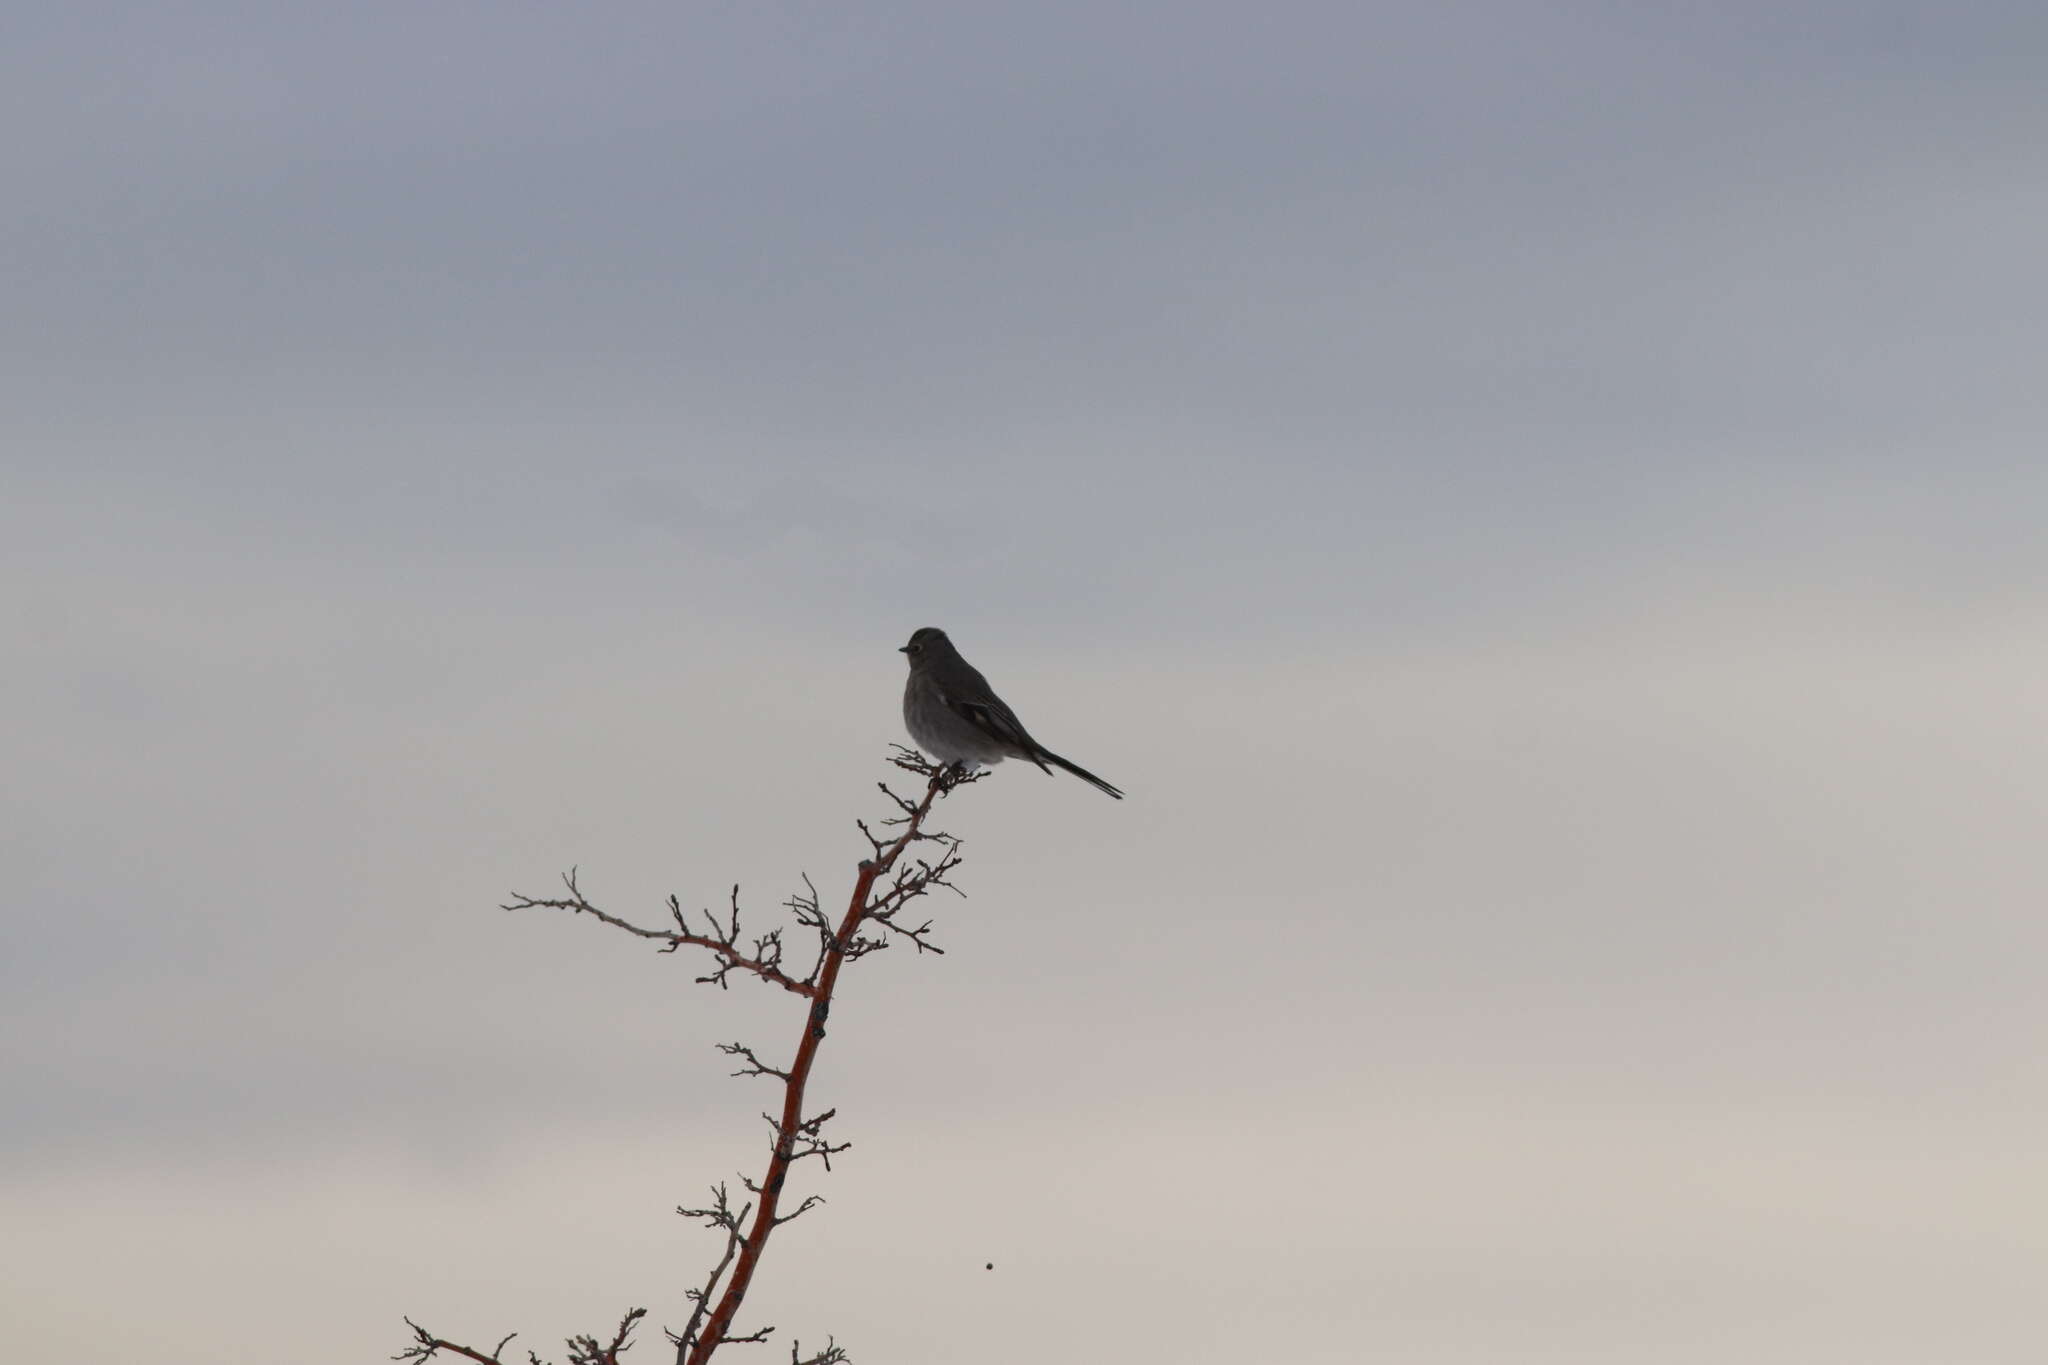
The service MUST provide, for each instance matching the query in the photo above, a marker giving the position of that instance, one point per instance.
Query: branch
(795, 1136)
(721, 940)
(582, 1350)
(426, 1346)
(721, 1216)
(587, 1351)
(755, 1066)
(883, 887)
(831, 1355)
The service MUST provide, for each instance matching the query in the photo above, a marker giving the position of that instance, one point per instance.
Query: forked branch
(885, 884)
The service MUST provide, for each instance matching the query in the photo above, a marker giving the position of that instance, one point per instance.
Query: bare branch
(721, 1217)
(576, 903)
(886, 883)
(587, 1351)
(810, 1202)
(809, 1140)
(755, 1066)
(795, 1136)
(426, 1346)
(721, 940)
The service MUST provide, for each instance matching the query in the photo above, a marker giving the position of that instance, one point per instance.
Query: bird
(956, 717)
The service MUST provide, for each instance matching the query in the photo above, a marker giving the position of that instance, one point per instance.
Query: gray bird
(956, 717)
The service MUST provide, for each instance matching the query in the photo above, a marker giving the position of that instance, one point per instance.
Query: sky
(1538, 505)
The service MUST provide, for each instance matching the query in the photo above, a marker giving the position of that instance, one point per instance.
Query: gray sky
(1540, 507)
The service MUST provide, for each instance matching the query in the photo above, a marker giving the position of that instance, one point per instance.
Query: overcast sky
(1540, 506)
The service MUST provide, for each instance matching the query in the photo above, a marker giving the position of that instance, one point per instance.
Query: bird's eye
(917, 649)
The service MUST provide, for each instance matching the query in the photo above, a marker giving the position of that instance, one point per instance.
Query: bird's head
(926, 642)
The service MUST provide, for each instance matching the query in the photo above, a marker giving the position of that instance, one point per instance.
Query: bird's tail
(1077, 770)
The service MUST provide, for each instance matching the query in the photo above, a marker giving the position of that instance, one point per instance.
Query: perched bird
(956, 717)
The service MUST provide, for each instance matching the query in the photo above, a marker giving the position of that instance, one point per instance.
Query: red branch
(788, 1127)
(880, 892)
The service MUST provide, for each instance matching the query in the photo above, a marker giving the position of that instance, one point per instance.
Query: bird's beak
(903, 649)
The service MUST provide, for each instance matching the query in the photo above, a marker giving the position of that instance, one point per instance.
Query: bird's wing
(990, 716)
